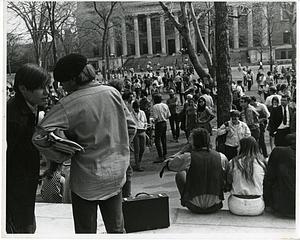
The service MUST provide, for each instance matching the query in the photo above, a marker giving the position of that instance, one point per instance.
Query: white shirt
(235, 133)
(140, 119)
(268, 101)
(161, 112)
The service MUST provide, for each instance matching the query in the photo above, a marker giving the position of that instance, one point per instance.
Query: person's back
(201, 187)
(280, 180)
(245, 177)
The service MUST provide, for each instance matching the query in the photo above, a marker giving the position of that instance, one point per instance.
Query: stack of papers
(64, 145)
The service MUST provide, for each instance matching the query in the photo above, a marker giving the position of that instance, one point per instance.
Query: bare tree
(60, 16)
(289, 8)
(104, 13)
(12, 42)
(184, 30)
(34, 16)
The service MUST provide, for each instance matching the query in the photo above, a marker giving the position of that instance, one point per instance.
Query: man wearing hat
(95, 117)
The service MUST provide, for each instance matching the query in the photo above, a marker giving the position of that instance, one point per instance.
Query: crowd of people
(111, 121)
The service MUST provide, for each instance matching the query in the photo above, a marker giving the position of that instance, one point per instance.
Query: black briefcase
(146, 212)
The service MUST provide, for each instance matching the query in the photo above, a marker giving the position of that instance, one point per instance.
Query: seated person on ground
(245, 180)
(201, 186)
(280, 179)
(53, 184)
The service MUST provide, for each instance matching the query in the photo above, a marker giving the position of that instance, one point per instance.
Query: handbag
(146, 212)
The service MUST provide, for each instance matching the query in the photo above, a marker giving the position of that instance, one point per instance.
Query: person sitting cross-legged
(201, 186)
(245, 179)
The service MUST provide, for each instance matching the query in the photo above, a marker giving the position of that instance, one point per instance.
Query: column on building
(206, 33)
(193, 36)
(250, 28)
(162, 34)
(264, 23)
(149, 34)
(177, 39)
(235, 28)
(124, 38)
(112, 42)
(136, 36)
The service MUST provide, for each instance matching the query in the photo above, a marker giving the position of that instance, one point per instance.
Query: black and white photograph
(149, 120)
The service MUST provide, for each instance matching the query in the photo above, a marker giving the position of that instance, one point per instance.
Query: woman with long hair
(275, 104)
(204, 115)
(246, 175)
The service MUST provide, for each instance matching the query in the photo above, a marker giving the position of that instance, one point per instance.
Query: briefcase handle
(141, 193)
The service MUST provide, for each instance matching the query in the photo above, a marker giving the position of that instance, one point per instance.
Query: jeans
(161, 138)
(139, 143)
(262, 143)
(174, 123)
(255, 132)
(85, 214)
(231, 152)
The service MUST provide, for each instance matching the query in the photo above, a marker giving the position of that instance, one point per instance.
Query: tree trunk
(202, 45)
(223, 69)
(104, 53)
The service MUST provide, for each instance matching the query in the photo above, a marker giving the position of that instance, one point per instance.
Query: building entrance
(171, 46)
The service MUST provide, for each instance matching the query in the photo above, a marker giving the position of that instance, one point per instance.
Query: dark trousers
(161, 138)
(85, 214)
(255, 132)
(22, 221)
(249, 85)
(139, 143)
(230, 152)
(280, 137)
(174, 123)
(261, 142)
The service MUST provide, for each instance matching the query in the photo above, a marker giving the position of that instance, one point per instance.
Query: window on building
(286, 37)
(283, 55)
(284, 15)
(290, 54)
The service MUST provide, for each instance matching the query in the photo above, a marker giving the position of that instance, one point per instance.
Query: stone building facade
(140, 29)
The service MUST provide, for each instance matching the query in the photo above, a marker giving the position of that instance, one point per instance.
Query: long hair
(249, 152)
(201, 108)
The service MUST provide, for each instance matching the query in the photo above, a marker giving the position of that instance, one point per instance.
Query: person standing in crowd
(22, 158)
(173, 104)
(145, 105)
(275, 104)
(201, 186)
(139, 141)
(240, 88)
(263, 121)
(179, 87)
(249, 77)
(280, 122)
(250, 116)
(208, 98)
(235, 130)
(204, 115)
(161, 113)
(95, 116)
(245, 180)
(272, 91)
(280, 179)
(190, 111)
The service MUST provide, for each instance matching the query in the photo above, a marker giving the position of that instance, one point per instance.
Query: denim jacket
(95, 117)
